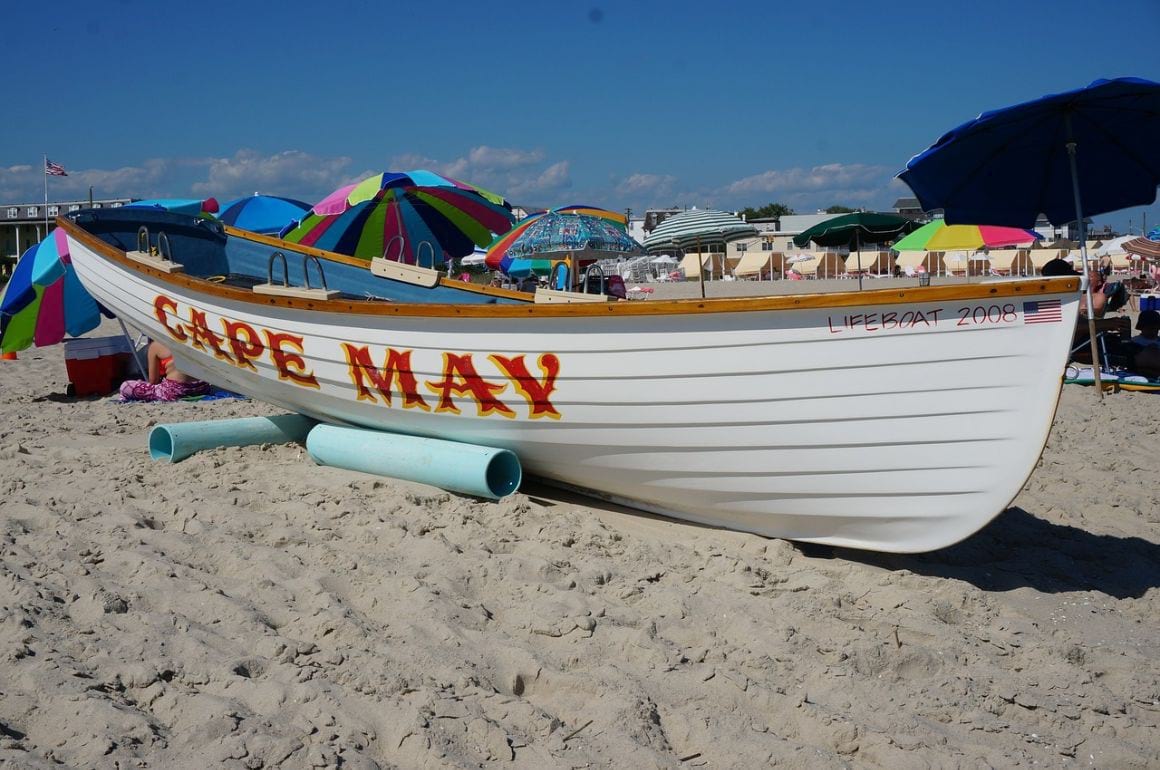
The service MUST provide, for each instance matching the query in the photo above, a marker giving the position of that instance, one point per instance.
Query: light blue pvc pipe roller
(467, 468)
(178, 441)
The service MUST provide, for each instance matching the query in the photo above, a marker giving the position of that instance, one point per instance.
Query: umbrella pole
(858, 245)
(1086, 267)
(701, 267)
(133, 349)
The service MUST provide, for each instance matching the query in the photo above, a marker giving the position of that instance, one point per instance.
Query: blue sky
(618, 104)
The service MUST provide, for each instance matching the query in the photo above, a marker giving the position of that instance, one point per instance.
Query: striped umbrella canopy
(939, 236)
(615, 217)
(1144, 246)
(704, 227)
(416, 217)
(44, 300)
(556, 234)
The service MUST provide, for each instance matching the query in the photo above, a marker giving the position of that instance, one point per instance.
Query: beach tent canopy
(759, 262)
(1040, 257)
(1001, 259)
(869, 262)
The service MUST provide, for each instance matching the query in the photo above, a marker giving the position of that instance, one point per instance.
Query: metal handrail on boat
(306, 260)
(285, 289)
(600, 273)
(419, 253)
(159, 257)
(270, 269)
(163, 249)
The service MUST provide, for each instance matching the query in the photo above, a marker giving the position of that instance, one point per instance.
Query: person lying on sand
(165, 382)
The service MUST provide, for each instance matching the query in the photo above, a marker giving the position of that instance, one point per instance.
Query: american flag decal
(1045, 311)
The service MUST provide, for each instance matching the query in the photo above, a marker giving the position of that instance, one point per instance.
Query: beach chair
(1111, 336)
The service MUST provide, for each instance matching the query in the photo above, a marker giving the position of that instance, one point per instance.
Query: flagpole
(44, 170)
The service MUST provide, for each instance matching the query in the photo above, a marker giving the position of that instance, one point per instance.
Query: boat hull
(887, 420)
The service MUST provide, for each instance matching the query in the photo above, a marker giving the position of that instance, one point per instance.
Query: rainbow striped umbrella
(416, 217)
(541, 239)
(939, 236)
(44, 300)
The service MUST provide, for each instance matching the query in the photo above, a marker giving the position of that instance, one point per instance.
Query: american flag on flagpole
(54, 169)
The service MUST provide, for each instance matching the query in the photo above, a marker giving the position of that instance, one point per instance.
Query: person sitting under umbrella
(165, 382)
(1144, 349)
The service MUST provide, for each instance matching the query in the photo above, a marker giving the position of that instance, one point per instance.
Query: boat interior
(202, 248)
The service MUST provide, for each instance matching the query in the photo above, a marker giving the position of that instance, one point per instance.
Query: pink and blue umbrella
(416, 217)
(266, 214)
(44, 300)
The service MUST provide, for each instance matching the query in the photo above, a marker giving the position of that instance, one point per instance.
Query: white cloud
(525, 176)
(519, 175)
(828, 178)
(292, 173)
(809, 188)
(651, 185)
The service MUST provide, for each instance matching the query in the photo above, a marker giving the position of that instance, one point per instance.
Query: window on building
(74, 207)
(742, 246)
(96, 205)
(13, 212)
(53, 211)
(767, 245)
(30, 211)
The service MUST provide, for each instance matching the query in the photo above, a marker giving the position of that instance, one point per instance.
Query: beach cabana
(955, 262)
(1040, 257)
(872, 262)
(760, 264)
(713, 263)
(1021, 263)
(910, 262)
(829, 264)
(1002, 260)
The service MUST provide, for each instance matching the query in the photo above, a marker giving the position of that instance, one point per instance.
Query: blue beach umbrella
(262, 213)
(1068, 155)
(194, 207)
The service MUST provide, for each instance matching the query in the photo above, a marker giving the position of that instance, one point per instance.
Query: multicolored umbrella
(43, 300)
(537, 242)
(262, 213)
(416, 217)
(939, 236)
(615, 217)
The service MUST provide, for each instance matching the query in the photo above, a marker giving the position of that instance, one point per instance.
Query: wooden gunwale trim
(978, 291)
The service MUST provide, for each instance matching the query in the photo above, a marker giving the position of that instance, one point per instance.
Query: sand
(248, 609)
